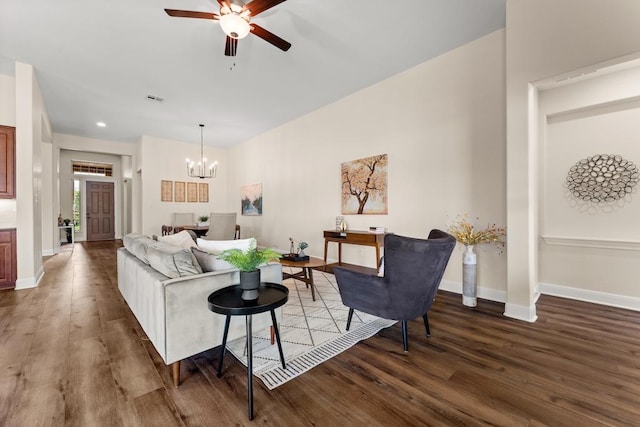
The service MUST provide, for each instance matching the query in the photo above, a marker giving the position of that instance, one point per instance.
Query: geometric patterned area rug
(311, 332)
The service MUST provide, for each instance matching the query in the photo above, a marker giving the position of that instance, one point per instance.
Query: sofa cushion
(172, 261)
(182, 239)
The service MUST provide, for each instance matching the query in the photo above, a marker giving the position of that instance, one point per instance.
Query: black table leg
(275, 329)
(224, 344)
(250, 366)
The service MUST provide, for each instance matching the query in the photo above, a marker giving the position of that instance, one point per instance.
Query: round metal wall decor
(602, 178)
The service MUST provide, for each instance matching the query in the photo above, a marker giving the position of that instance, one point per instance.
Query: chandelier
(202, 171)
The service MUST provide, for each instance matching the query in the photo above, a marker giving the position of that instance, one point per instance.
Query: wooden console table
(353, 237)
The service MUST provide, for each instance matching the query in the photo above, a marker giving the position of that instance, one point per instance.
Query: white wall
(7, 118)
(32, 128)
(48, 227)
(442, 126)
(546, 38)
(589, 248)
(164, 159)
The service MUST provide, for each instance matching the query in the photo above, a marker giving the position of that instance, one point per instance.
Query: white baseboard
(483, 293)
(596, 297)
(521, 312)
(30, 282)
(528, 314)
(49, 252)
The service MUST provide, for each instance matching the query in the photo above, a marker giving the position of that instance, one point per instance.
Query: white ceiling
(97, 60)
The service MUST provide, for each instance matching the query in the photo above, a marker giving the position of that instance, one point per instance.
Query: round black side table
(227, 301)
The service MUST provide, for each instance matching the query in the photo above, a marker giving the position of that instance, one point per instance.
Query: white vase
(469, 283)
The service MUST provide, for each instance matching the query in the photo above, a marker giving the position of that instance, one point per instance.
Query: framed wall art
(251, 199)
(203, 192)
(192, 192)
(364, 186)
(166, 191)
(179, 191)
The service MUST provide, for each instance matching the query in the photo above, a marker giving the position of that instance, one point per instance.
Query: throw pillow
(219, 246)
(137, 245)
(209, 261)
(172, 261)
(182, 239)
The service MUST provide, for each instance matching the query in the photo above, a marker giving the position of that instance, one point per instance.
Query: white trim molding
(596, 297)
(627, 245)
(483, 293)
(521, 312)
(30, 282)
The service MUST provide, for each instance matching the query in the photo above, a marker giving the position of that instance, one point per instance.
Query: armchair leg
(426, 324)
(405, 344)
(349, 318)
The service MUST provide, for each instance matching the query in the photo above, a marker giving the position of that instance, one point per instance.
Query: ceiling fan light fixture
(234, 25)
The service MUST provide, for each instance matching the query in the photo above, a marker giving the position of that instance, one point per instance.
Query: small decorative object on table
(247, 262)
(299, 255)
(202, 220)
(466, 234)
(301, 247)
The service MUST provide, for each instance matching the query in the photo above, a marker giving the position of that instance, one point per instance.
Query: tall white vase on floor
(469, 283)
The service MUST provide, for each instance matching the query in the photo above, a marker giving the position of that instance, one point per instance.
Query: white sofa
(173, 312)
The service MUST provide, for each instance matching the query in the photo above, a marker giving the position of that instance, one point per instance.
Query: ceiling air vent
(155, 98)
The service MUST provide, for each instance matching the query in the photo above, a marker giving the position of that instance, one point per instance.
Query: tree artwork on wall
(602, 178)
(364, 186)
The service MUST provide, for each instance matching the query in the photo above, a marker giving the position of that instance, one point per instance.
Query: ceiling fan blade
(270, 37)
(231, 46)
(259, 6)
(224, 4)
(191, 14)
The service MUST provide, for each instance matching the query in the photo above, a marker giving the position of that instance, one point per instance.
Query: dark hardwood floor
(71, 353)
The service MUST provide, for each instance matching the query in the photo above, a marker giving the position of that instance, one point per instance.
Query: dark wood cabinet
(8, 262)
(7, 162)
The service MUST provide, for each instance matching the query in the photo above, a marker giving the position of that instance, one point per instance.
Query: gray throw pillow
(172, 261)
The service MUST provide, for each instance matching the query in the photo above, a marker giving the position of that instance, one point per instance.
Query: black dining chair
(413, 269)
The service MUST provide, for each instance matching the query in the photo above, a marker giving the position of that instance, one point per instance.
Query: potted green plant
(248, 262)
(301, 247)
(202, 220)
(69, 230)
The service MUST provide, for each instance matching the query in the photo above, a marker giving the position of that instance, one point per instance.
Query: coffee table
(305, 274)
(227, 301)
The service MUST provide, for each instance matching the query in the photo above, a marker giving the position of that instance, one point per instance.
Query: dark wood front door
(100, 216)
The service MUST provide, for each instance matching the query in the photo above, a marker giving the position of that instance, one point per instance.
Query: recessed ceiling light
(101, 124)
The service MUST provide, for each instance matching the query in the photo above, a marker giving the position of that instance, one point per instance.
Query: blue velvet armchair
(413, 269)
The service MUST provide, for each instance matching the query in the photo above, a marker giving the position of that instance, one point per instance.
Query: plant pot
(249, 283)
